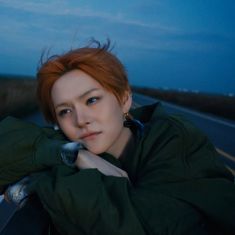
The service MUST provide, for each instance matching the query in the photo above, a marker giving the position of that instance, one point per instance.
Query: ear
(127, 102)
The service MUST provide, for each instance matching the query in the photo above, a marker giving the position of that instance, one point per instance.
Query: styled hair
(94, 59)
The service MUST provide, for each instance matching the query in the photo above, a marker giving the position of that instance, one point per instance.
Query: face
(89, 114)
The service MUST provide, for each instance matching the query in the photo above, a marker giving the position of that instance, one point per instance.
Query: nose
(81, 118)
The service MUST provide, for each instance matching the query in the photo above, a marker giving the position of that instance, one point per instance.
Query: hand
(87, 160)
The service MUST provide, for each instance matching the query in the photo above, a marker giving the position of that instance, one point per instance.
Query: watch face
(69, 153)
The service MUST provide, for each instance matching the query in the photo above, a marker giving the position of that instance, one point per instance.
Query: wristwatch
(69, 153)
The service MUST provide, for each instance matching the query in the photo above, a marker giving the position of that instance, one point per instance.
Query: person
(135, 171)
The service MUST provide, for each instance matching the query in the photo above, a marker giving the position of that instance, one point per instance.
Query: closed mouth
(89, 135)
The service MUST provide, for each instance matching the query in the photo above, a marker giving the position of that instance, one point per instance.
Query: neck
(124, 139)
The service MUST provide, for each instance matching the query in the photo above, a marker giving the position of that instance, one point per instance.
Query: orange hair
(98, 62)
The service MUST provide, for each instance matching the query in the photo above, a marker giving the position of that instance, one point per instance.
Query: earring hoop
(131, 122)
(127, 120)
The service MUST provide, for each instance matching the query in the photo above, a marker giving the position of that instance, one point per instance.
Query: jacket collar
(148, 113)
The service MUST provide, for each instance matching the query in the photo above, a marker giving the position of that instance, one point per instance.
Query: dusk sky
(178, 44)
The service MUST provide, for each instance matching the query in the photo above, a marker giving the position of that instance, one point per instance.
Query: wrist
(69, 153)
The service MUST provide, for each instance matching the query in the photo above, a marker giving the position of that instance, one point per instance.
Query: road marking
(231, 170)
(197, 113)
(227, 155)
(230, 157)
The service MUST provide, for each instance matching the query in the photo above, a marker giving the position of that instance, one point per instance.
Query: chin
(96, 150)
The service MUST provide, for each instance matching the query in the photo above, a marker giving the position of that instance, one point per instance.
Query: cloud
(44, 21)
(56, 22)
(63, 8)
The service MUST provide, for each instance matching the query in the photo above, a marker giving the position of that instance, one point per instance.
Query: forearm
(93, 203)
(24, 149)
(87, 160)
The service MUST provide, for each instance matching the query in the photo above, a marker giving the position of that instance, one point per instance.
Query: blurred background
(184, 47)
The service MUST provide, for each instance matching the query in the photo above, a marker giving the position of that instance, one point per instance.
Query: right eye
(64, 112)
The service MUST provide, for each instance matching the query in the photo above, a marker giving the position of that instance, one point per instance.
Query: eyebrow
(79, 97)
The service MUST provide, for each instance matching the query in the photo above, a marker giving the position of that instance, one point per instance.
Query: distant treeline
(17, 96)
(215, 104)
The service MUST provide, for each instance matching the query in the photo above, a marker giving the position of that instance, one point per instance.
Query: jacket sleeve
(211, 189)
(185, 166)
(88, 202)
(26, 148)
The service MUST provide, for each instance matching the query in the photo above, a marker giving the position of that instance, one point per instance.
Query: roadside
(216, 104)
(17, 97)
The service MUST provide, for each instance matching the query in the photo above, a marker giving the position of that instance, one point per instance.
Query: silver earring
(56, 127)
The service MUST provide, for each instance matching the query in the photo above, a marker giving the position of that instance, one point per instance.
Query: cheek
(114, 122)
(68, 130)
(112, 115)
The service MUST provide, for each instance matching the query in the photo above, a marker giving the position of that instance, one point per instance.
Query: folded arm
(26, 148)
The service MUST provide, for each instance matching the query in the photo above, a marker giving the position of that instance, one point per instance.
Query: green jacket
(177, 184)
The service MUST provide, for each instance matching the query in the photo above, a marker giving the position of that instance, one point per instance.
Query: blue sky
(187, 44)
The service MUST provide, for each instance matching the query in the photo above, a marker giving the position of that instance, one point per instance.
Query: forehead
(75, 82)
(76, 77)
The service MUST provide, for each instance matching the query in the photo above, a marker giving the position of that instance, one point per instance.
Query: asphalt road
(221, 132)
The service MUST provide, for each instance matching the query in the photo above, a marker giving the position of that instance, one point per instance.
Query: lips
(89, 135)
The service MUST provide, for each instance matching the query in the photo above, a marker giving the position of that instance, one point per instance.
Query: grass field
(216, 104)
(17, 96)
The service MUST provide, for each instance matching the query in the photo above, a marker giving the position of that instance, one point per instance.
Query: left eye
(64, 112)
(92, 100)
